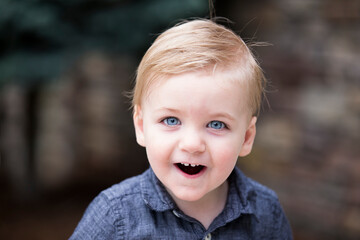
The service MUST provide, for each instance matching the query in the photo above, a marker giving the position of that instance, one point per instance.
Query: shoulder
(104, 217)
(127, 187)
(257, 198)
(126, 195)
(265, 205)
(261, 190)
(264, 201)
(252, 190)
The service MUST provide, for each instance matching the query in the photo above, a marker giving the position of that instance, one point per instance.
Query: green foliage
(39, 39)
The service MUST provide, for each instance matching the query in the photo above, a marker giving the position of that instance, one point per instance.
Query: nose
(192, 141)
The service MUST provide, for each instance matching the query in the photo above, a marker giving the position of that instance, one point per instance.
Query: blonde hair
(200, 45)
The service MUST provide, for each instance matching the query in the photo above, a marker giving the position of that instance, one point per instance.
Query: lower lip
(191, 176)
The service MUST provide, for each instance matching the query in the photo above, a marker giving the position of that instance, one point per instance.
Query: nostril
(193, 149)
(192, 140)
(192, 145)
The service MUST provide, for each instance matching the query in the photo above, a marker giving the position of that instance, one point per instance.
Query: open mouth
(190, 169)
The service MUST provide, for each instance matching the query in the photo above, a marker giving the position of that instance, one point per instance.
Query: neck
(206, 209)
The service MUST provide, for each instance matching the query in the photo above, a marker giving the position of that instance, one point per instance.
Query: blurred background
(66, 130)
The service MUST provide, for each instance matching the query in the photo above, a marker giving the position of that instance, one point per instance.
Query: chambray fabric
(141, 208)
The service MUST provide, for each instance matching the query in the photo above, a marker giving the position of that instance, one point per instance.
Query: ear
(249, 138)
(139, 125)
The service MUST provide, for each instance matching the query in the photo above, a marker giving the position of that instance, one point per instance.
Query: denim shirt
(141, 208)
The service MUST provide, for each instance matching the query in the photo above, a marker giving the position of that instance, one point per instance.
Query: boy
(197, 94)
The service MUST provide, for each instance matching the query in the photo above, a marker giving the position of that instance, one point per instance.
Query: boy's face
(194, 126)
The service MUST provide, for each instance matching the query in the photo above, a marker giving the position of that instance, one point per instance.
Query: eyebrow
(166, 109)
(223, 115)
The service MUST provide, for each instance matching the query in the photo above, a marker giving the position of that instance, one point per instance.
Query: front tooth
(186, 164)
(193, 165)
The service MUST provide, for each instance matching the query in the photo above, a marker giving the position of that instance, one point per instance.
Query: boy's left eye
(216, 125)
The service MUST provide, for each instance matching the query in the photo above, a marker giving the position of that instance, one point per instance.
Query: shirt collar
(157, 198)
(241, 196)
(154, 193)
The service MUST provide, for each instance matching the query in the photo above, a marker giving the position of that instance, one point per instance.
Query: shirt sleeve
(98, 222)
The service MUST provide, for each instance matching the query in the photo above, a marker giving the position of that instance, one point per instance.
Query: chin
(188, 196)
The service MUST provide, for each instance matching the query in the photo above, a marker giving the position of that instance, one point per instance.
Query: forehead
(199, 91)
(232, 79)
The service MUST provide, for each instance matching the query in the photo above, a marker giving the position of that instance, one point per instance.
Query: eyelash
(166, 122)
(222, 125)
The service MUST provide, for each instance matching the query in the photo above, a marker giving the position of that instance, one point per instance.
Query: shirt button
(176, 213)
(208, 237)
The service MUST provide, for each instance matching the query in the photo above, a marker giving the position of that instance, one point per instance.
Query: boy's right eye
(171, 121)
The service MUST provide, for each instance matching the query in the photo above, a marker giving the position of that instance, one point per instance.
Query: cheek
(226, 152)
(227, 148)
(158, 150)
(226, 155)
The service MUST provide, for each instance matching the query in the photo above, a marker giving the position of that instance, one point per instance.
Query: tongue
(190, 170)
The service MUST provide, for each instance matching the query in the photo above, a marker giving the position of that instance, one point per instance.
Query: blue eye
(171, 121)
(216, 125)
